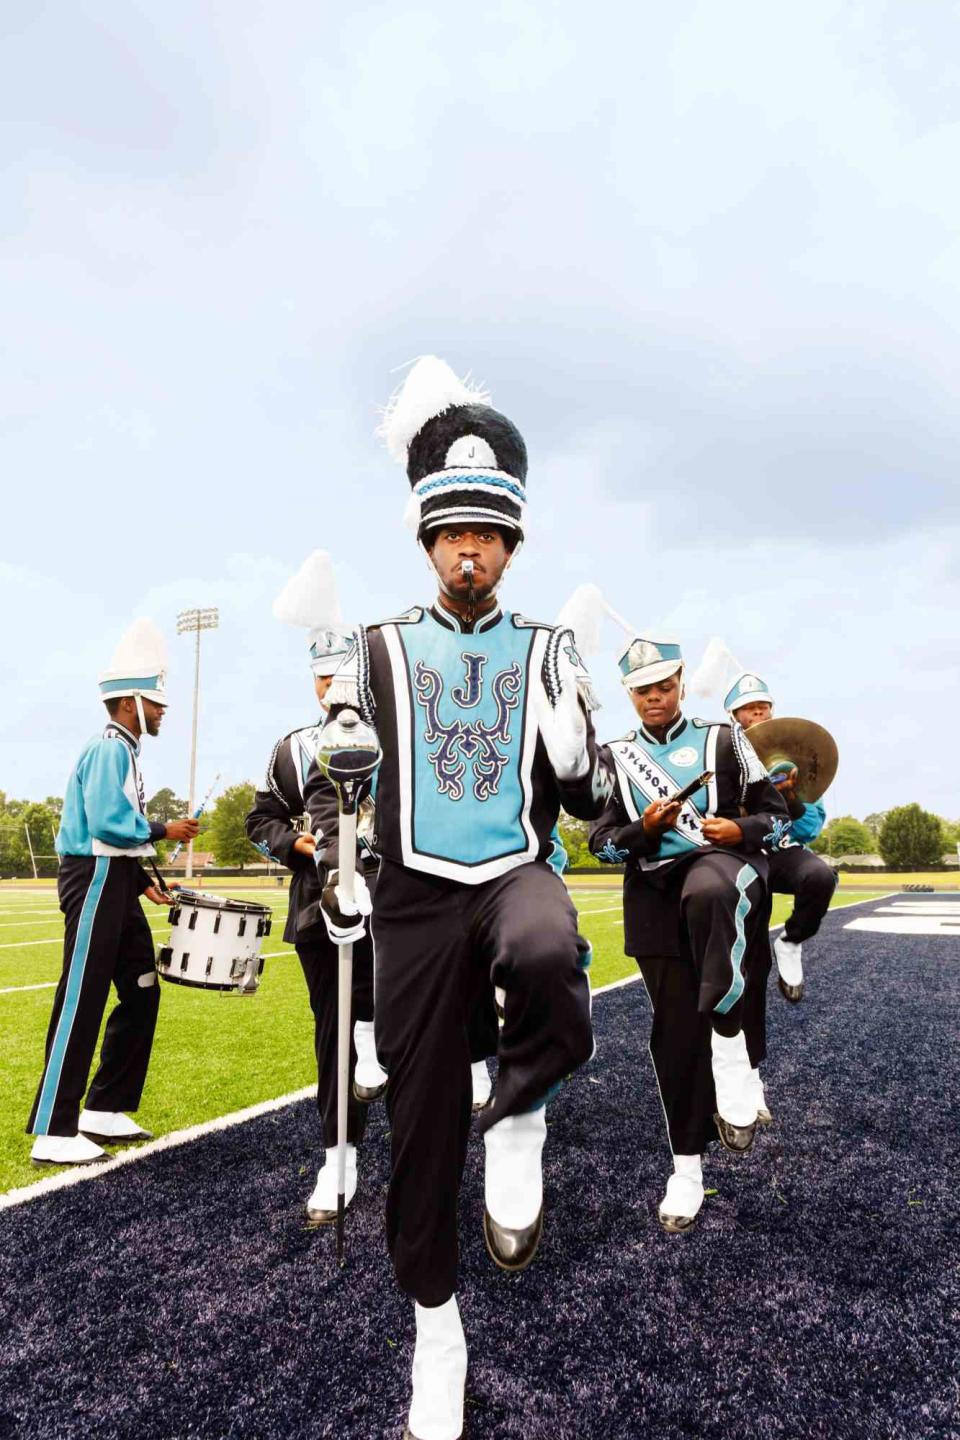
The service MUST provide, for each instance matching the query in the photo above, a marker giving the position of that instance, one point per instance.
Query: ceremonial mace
(196, 815)
(348, 753)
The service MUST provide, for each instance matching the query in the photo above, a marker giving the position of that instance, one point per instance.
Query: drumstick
(196, 815)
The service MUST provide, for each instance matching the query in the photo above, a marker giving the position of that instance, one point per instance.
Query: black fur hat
(467, 463)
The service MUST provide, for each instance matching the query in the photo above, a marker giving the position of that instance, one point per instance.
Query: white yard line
(52, 984)
(607, 910)
(225, 1122)
(29, 924)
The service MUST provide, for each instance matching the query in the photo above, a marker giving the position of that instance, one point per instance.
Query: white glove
(345, 923)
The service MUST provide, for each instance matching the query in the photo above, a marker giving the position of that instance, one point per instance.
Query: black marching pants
(797, 871)
(107, 940)
(704, 988)
(319, 959)
(440, 946)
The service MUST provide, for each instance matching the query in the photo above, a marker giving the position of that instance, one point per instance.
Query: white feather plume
(583, 613)
(430, 388)
(142, 650)
(310, 598)
(716, 671)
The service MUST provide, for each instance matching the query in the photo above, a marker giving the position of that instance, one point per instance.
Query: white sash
(656, 784)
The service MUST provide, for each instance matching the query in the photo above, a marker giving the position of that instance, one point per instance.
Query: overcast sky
(706, 256)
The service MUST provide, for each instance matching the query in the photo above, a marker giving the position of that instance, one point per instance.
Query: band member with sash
(484, 721)
(794, 870)
(104, 832)
(277, 827)
(694, 906)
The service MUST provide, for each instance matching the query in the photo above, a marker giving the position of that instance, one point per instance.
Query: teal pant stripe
(746, 875)
(71, 999)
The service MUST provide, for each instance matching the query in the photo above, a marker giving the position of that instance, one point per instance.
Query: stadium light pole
(192, 622)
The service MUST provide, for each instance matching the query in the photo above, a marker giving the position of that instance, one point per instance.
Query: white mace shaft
(347, 859)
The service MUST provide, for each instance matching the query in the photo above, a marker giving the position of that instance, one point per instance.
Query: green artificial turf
(213, 1054)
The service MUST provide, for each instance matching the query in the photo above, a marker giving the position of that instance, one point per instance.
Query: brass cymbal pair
(802, 743)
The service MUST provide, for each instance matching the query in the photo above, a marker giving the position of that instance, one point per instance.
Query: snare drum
(214, 943)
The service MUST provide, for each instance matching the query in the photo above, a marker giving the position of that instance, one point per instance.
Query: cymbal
(802, 743)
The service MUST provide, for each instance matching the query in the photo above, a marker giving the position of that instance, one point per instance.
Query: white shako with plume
(310, 600)
(721, 674)
(467, 463)
(138, 667)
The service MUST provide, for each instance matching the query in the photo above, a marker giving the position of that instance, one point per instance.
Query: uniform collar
(115, 728)
(450, 621)
(676, 729)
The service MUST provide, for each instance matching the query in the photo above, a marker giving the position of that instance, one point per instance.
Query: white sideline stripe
(608, 910)
(26, 1193)
(77, 1175)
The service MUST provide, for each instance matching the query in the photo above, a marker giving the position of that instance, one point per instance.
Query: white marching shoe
(66, 1150)
(683, 1198)
(764, 1116)
(322, 1205)
(789, 968)
(112, 1126)
(439, 1374)
(513, 1188)
(736, 1117)
(369, 1077)
(482, 1088)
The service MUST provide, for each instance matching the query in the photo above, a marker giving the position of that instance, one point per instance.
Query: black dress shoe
(737, 1138)
(316, 1218)
(366, 1094)
(676, 1224)
(793, 993)
(512, 1249)
(409, 1435)
(116, 1139)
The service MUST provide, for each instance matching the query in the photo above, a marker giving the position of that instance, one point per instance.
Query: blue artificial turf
(819, 1295)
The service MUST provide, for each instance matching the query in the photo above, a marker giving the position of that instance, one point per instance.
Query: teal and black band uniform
(695, 913)
(467, 789)
(102, 832)
(797, 871)
(476, 764)
(273, 825)
(103, 808)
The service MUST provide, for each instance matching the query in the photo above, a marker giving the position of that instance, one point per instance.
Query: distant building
(201, 858)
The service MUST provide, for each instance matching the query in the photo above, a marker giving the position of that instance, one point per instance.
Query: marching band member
(274, 826)
(694, 906)
(103, 834)
(483, 717)
(794, 870)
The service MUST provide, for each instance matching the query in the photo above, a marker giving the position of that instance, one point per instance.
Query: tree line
(906, 838)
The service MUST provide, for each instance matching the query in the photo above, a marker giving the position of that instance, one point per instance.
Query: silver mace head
(348, 753)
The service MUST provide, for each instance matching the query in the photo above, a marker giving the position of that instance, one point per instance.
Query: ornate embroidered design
(471, 743)
(551, 670)
(779, 837)
(612, 855)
